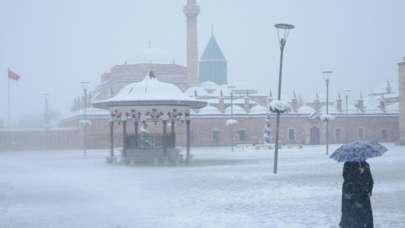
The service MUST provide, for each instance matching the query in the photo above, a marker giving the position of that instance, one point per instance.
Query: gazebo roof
(150, 92)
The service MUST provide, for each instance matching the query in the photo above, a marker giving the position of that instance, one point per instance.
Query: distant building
(213, 64)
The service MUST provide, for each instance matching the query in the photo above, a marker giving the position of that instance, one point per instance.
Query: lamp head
(283, 31)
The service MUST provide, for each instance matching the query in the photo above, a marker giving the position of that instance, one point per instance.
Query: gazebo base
(148, 157)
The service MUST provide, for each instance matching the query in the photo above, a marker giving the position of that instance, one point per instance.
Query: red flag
(13, 76)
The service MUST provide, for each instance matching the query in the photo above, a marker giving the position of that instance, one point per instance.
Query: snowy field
(221, 189)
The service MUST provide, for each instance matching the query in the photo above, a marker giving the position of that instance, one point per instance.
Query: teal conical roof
(213, 51)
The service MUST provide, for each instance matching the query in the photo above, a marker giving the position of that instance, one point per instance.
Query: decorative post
(232, 140)
(164, 139)
(136, 127)
(173, 133)
(85, 121)
(188, 123)
(124, 138)
(112, 139)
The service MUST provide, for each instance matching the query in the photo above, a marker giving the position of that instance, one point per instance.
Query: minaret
(191, 10)
(402, 101)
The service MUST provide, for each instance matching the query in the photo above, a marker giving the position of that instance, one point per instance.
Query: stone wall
(211, 130)
(402, 101)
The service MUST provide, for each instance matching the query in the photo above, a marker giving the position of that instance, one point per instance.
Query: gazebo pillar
(164, 139)
(124, 138)
(188, 123)
(136, 126)
(111, 138)
(173, 133)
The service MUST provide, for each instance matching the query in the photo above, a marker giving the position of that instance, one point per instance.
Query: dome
(209, 109)
(150, 92)
(236, 110)
(193, 91)
(258, 109)
(222, 91)
(151, 55)
(209, 85)
(306, 110)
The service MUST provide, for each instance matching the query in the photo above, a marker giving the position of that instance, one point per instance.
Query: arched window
(384, 134)
(242, 135)
(291, 134)
(360, 133)
(216, 135)
(338, 134)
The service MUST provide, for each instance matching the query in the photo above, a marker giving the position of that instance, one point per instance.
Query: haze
(54, 45)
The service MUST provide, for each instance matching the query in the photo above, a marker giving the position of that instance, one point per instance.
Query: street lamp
(232, 141)
(347, 92)
(84, 120)
(283, 31)
(326, 75)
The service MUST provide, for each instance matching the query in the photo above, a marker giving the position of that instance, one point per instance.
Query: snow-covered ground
(221, 189)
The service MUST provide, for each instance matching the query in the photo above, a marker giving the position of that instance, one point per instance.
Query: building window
(360, 133)
(216, 136)
(242, 135)
(291, 134)
(338, 134)
(384, 134)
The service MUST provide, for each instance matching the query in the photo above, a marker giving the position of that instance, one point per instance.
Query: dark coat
(357, 189)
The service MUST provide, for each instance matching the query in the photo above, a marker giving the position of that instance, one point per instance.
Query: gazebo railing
(151, 141)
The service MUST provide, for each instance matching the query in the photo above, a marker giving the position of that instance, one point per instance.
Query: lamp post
(85, 121)
(347, 92)
(326, 75)
(283, 31)
(232, 141)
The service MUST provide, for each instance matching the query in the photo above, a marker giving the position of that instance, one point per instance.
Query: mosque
(372, 116)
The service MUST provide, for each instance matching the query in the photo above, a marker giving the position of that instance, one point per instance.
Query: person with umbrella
(358, 183)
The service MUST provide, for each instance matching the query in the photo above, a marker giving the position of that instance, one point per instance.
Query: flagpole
(8, 112)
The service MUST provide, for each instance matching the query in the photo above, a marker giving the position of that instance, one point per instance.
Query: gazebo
(142, 103)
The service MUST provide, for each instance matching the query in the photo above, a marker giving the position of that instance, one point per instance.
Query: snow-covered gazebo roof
(150, 92)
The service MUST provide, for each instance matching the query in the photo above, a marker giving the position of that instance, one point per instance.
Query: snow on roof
(148, 92)
(209, 85)
(305, 109)
(332, 109)
(193, 91)
(150, 89)
(387, 87)
(236, 110)
(258, 109)
(209, 109)
(393, 108)
(91, 111)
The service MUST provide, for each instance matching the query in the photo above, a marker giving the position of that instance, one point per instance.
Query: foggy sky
(54, 45)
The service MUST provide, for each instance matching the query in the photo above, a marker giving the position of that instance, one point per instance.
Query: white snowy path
(220, 190)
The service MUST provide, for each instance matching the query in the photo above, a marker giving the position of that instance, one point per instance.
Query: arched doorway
(315, 136)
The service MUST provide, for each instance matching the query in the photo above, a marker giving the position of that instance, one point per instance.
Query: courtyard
(221, 189)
